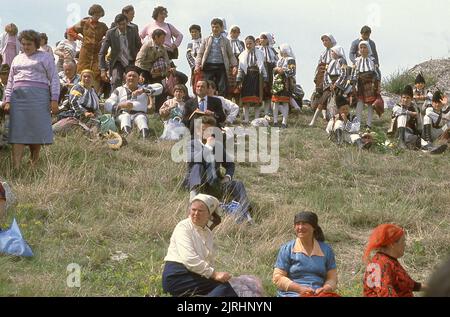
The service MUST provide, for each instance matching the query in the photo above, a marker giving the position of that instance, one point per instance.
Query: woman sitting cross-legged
(84, 106)
(306, 267)
(189, 265)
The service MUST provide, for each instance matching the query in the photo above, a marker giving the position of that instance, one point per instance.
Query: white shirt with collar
(193, 247)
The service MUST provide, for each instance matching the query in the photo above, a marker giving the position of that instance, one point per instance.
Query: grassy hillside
(84, 203)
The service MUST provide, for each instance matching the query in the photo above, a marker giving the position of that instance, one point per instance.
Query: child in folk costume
(283, 84)
(193, 48)
(250, 77)
(335, 82)
(367, 77)
(266, 43)
(344, 127)
(407, 120)
(436, 124)
(422, 96)
(238, 47)
(325, 58)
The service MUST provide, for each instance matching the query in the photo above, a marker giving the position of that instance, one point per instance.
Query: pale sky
(406, 32)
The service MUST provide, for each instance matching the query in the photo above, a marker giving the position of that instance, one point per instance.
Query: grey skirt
(30, 118)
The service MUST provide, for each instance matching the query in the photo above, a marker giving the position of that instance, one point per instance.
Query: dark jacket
(214, 105)
(354, 51)
(112, 41)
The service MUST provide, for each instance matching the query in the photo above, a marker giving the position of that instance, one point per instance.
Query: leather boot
(145, 133)
(401, 138)
(339, 136)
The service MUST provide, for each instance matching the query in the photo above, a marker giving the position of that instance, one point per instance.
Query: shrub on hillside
(396, 82)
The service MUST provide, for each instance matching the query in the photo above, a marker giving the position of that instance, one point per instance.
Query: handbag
(172, 54)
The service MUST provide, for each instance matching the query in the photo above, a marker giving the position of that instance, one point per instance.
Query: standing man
(125, 44)
(215, 58)
(366, 31)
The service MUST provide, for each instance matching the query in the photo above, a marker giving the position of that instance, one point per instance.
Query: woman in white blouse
(189, 265)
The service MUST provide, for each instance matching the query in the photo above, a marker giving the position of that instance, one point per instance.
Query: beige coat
(227, 52)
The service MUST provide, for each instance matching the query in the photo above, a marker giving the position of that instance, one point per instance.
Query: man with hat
(422, 97)
(407, 121)
(436, 124)
(344, 127)
(129, 104)
(189, 268)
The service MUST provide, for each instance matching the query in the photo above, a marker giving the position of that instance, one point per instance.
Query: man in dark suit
(204, 175)
(211, 106)
(125, 43)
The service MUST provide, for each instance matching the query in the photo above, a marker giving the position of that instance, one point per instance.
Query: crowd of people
(46, 92)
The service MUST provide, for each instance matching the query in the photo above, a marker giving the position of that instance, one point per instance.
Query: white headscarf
(211, 202)
(366, 43)
(286, 49)
(270, 38)
(331, 37)
(339, 50)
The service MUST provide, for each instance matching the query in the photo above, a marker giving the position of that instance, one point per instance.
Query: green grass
(84, 202)
(396, 82)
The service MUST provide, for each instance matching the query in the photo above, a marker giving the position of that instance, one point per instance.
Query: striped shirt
(337, 67)
(325, 57)
(365, 65)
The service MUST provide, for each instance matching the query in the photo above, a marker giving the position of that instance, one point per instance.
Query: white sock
(257, 112)
(370, 116)
(324, 114)
(246, 114)
(275, 112)
(316, 114)
(359, 110)
(285, 112)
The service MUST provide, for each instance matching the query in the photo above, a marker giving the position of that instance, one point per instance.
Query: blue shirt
(304, 270)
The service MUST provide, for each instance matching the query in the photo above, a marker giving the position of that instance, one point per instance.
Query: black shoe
(284, 126)
(339, 136)
(126, 131)
(401, 138)
(145, 133)
(275, 125)
(429, 148)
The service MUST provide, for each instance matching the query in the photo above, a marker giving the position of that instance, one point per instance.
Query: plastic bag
(247, 286)
(234, 209)
(107, 123)
(174, 130)
(12, 242)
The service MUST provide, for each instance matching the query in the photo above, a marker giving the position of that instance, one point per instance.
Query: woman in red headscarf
(385, 276)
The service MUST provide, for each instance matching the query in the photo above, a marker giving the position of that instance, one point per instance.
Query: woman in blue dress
(306, 266)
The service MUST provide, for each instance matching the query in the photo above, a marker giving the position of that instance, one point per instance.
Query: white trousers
(139, 119)
(339, 125)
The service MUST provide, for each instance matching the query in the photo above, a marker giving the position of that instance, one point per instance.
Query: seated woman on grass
(306, 266)
(385, 276)
(84, 106)
(189, 268)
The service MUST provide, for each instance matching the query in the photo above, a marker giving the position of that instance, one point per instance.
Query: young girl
(334, 83)
(174, 107)
(193, 48)
(250, 77)
(283, 84)
(238, 47)
(324, 59)
(266, 42)
(9, 44)
(367, 77)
